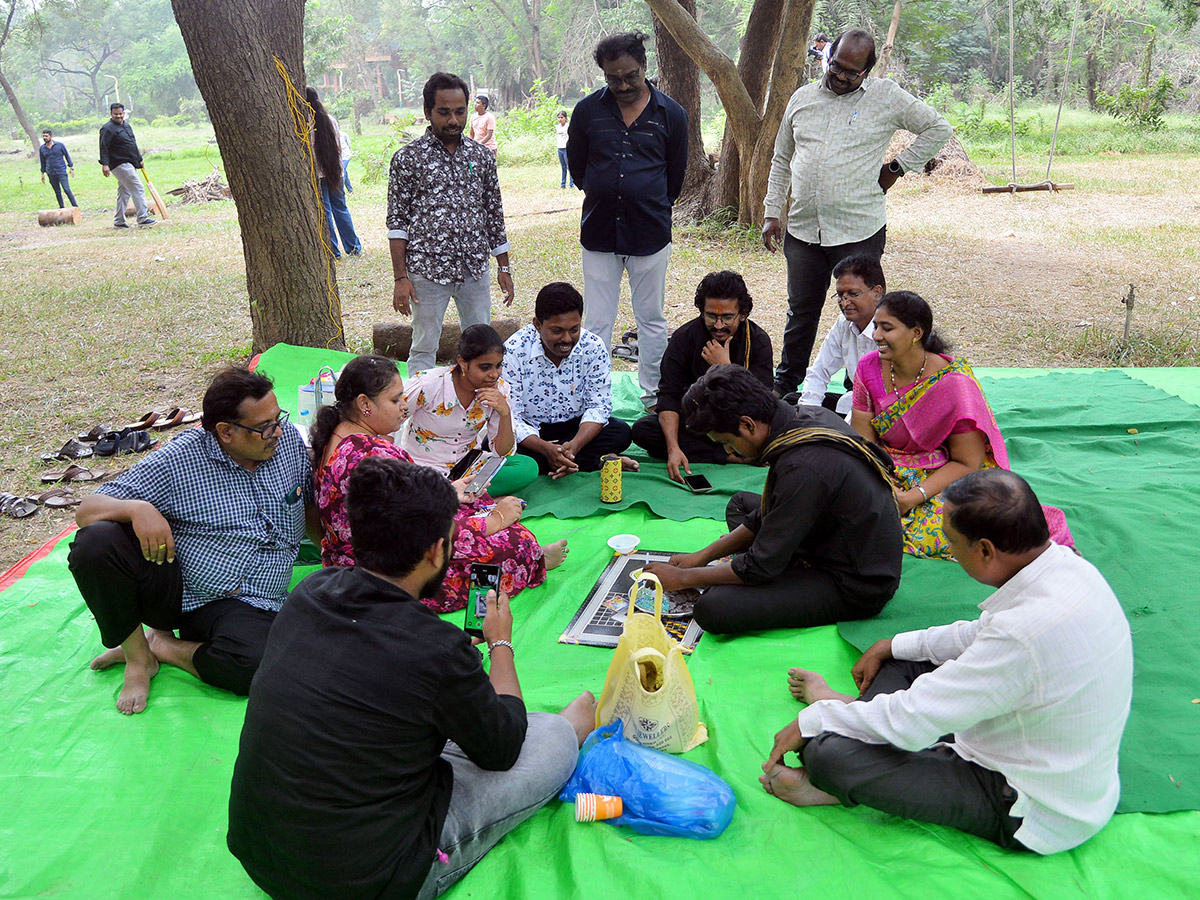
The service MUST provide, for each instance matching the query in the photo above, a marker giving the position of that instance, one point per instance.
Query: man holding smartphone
(377, 758)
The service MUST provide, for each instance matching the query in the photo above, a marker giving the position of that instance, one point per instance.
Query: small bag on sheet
(323, 387)
(648, 685)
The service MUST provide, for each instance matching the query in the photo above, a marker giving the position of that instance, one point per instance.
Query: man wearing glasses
(721, 333)
(829, 154)
(200, 536)
(627, 149)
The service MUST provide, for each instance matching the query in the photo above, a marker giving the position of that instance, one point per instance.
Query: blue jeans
(337, 215)
(566, 173)
(346, 177)
(60, 184)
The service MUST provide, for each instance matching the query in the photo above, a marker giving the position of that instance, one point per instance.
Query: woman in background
(327, 149)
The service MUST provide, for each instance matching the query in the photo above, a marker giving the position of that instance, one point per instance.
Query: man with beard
(445, 218)
(377, 758)
(829, 153)
(721, 333)
(821, 544)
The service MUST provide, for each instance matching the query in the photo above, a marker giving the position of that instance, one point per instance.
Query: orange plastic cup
(597, 807)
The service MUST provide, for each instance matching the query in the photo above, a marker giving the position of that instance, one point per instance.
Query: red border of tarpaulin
(13, 575)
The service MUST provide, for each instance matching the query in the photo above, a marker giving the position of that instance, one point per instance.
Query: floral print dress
(514, 548)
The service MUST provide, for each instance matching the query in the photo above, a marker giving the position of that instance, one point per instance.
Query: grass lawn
(103, 325)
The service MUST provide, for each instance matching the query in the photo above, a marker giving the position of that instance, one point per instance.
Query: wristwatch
(507, 270)
(895, 168)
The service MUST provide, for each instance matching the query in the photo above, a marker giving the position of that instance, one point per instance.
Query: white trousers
(648, 288)
(129, 185)
(473, 299)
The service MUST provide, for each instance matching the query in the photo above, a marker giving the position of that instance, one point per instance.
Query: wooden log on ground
(394, 339)
(68, 216)
(1021, 188)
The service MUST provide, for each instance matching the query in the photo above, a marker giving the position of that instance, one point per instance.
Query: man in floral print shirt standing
(445, 218)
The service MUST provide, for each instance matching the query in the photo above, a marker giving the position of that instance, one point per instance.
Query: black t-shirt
(682, 364)
(339, 789)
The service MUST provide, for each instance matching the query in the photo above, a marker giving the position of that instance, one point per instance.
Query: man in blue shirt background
(55, 162)
(627, 149)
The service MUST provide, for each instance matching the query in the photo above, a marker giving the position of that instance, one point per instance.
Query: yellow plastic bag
(648, 685)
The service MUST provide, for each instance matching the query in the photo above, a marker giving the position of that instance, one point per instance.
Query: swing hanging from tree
(1047, 185)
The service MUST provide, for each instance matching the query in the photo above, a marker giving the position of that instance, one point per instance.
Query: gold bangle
(503, 524)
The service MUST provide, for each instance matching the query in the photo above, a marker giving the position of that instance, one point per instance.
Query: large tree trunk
(262, 126)
(20, 111)
(679, 78)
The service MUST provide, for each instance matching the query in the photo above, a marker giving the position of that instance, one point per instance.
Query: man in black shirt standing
(627, 149)
(721, 333)
(377, 758)
(120, 157)
(822, 543)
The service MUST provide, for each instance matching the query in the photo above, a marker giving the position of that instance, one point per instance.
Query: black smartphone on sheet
(484, 577)
(697, 484)
(464, 465)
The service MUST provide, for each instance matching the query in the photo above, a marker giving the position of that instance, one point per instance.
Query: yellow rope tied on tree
(303, 117)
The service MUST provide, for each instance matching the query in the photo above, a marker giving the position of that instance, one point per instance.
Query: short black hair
(228, 390)
(857, 36)
(912, 310)
(48, 131)
(442, 81)
(722, 396)
(483, 98)
(821, 37)
(627, 43)
(863, 266)
(724, 285)
(478, 340)
(556, 299)
(998, 505)
(397, 511)
(113, 106)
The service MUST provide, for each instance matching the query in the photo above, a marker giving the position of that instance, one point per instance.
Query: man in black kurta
(721, 333)
(821, 544)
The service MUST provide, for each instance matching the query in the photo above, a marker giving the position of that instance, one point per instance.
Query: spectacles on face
(633, 79)
(843, 296)
(838, 69)
(266, 431)
(726, 319)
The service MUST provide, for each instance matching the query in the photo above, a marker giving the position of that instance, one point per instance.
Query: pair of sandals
(124, 441)
(173, 418)
(73, 473)
(22, 507)
(71, 450)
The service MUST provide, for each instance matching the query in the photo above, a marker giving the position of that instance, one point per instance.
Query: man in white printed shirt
(859, 285)
(1033, 695)
(560, 388)
(829, 153)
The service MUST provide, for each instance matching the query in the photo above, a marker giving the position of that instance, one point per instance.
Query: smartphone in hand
(484, 577)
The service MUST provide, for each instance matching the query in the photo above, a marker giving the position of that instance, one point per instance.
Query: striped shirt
(829, 151)
(1037, 688)
(236, 531)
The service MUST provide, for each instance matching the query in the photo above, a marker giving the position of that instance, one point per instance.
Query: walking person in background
(560, 135)
(483, 125)
(120, 157)
(55, 162)
(327, 149)
(346, 154)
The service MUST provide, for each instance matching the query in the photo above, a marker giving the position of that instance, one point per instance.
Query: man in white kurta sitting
(1007, 727)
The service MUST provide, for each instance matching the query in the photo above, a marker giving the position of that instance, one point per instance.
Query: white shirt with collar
(541, 392)
(1037, 688)
(842, 348)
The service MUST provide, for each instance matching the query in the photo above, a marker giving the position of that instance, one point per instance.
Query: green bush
(74, 126)
(526, 149)
(537, 117)
(1142, 107)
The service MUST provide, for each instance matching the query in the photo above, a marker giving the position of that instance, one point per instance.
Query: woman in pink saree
(928, 411)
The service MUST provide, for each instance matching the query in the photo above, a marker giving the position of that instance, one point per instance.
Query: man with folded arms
(200, 536)
(1008, 726)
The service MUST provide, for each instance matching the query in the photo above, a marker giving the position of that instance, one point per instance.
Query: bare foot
(108, 659)
(555, 554)
(172, 650)
(809, 687)
(136, 690)
(629, 465)
(792, 786)
(581, 713)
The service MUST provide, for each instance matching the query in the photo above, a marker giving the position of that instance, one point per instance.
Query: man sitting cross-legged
(823, 541)
(560, 388)
(721, 333)
(1006, 727)
(377, 757)
(199, 536)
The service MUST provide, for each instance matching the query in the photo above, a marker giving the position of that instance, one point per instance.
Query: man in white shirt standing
(1033, 695)
(829, 153)
(859, 285)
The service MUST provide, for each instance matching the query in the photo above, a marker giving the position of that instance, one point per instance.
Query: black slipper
(96, 432)
(110, 441)
(17, 507)
(72, 449)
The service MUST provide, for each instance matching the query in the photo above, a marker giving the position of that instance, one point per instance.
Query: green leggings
(517, 472)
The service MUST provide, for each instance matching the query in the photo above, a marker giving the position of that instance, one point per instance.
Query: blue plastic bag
(662, 794)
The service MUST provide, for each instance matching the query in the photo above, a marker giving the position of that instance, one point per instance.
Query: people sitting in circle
(859, 285)
(1034, 694)
(821, 544)
(377, 758)
(926, 409)
(369, 410)
(454, 409)
(560, 387)
(199, 536)
(722, 333)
